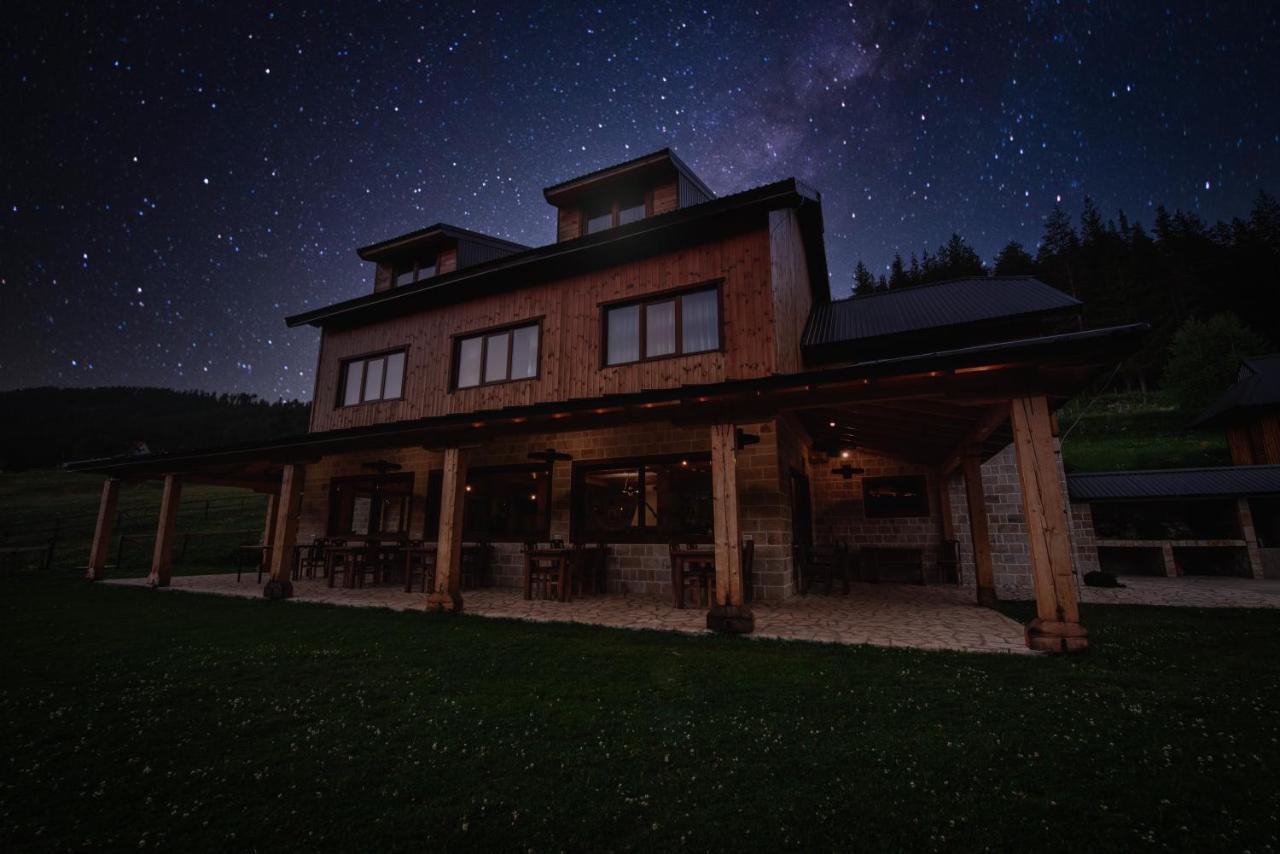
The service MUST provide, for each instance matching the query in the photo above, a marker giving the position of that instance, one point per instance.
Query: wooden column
(1250, 535)
(269, 529)
(948, 524)
(102, 532)
(447, 592)
(162, 556)
(729, 613)
(976, 501)
(288, 506)
(1056, 627)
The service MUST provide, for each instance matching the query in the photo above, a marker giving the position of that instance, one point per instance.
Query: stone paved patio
(879, 614)
(1188, 592)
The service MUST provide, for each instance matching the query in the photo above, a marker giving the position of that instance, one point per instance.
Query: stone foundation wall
(634, 569)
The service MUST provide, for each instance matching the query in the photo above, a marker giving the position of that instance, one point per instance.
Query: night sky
(176, 177)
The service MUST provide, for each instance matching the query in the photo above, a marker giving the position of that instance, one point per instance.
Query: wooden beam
(729, 613)
(162, 555)
(285, 535)
(102, 531)
(979, 531)
(1056, 627)
(447, 595)
(991, 421)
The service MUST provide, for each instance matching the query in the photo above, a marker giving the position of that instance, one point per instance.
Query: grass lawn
(1122, 431)
(139, 719)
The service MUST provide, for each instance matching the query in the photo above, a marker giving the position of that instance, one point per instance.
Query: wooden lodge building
(672, 369)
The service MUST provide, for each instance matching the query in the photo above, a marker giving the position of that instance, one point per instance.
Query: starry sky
(175, 177)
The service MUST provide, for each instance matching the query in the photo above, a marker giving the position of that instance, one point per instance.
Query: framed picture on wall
(895, 496)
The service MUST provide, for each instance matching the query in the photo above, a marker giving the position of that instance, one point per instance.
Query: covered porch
(780, 458)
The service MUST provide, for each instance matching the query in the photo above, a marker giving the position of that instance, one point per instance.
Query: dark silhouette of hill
(42, 427)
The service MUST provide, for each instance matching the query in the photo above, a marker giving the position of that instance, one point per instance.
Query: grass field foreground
(141, 719)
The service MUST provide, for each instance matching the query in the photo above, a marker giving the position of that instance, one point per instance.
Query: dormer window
(414, 271)
(613, 213)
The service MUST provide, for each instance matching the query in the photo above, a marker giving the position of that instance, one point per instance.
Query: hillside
(45, 427)
(1131, 430)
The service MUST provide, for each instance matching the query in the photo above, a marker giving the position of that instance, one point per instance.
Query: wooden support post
(269, 529)
(447, 595)
(285, 534)
(730, 612)
(948, 523)
(1250, 536)
(1169, 560)
(976, 501)
(1056, 627)
(102, 532)
(162, 556)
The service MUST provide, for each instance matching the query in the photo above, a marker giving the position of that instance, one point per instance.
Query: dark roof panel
(1257, 387)
(1222, 481)
(659, 157)
(375, 251)
(933, 306)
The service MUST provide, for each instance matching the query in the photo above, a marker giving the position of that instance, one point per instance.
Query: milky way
(177, 178)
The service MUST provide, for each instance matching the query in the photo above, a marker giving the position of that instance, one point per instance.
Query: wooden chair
(589, 568)
(822, 564)
(700, 574)
(541, 574)
(421, 563)
(474, 562)
(310, 559)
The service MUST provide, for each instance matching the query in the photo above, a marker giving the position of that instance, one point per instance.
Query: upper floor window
(367, 378)
(414, 271)
(663, 326)
(614, 212)
(496, 356)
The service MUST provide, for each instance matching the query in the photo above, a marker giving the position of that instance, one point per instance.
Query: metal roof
(444, 229)
(933, 306)
(662, 154)
(1257, 386)
(1221, 481)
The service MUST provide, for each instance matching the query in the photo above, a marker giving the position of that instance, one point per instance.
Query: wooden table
(348, 552)
(563, 560)
(680, 560)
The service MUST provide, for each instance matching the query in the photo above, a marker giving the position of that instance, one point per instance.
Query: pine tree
(1013, 260)
(863, 281)
(897, 273)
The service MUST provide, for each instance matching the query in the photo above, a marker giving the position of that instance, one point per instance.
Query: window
(666, 326)
(414, 271)
(892, 497)
(497, 356)
(652, 500)
(613, 213)
(503, 504)
(370, 506)
(371, 378)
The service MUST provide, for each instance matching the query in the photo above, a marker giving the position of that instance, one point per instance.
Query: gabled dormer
(616, 195)
(430, 252)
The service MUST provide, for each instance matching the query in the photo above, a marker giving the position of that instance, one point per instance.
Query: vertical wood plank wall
(1256, 443)
(791, 296)
(570, 362)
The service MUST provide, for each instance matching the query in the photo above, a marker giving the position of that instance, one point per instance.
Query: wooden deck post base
(1056, 636)
(444, 601)
(987, 597)
(278, 589)
(731, 619)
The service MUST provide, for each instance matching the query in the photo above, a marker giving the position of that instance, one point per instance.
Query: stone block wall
(634, 568)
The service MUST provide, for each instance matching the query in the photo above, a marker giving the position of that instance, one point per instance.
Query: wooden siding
(665, 199)
(1256, 443)
(571, 332)
(446, 261)
(792, 297)
(382, 274)
(568, 224)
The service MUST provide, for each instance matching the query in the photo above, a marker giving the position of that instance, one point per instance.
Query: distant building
(1250, 412)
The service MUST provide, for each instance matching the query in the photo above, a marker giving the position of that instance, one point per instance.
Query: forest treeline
(49, 426)
(1177, 273)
